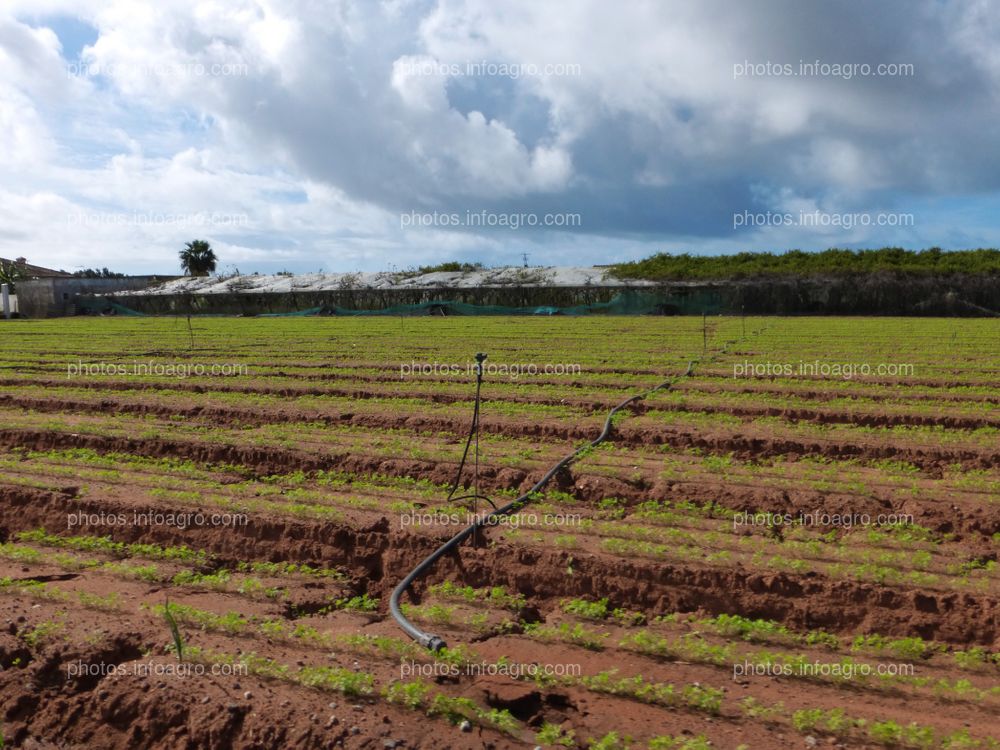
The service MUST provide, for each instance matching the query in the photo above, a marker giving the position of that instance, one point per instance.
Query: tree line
(835, 261)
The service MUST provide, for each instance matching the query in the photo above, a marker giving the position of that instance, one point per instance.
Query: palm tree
(198, 258)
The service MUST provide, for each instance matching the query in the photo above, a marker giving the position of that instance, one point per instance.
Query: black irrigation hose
(473, 430)
(436, 643)
(472, 497)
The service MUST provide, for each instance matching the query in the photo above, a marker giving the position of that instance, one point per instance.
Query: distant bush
(667, 267)
(94, 273)
(451, 267)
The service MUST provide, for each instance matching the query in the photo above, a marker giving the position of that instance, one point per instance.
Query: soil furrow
(381, 556)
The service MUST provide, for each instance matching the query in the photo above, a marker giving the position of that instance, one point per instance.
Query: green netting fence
(619, 305)
(102, 306)
(627, 302)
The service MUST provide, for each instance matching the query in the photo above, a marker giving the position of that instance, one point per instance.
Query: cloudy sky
(362, 135)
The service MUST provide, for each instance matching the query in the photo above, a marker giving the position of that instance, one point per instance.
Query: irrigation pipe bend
(435, 642)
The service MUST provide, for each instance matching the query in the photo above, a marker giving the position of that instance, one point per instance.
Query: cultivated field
(202, 523)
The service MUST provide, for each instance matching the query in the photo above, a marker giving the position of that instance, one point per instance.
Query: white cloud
(320, 122)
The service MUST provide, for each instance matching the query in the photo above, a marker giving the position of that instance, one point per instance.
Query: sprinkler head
(480, 358)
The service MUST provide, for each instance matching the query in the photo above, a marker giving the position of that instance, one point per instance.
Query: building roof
(35, 272)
